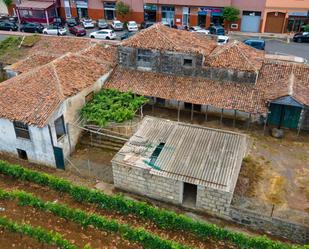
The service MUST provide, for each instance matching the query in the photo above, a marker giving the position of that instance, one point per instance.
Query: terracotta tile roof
(160, 37)
(32, 61)
(188, 89)
(107, 53)
(236, 55)
(278, 79)
(33, 96)
(59, 45)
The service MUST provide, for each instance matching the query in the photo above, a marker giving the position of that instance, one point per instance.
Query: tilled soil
(50, 195)
(71, 231)
(9, 240)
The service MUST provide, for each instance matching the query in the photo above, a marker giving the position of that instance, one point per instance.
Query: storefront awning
(35, 5)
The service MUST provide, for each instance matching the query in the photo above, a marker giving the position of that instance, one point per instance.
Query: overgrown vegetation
(8, 3)
(162, 218)
(122, 9)
(84, 219)
(111, 106)
(29, 41)
(231, 14)
(37, 233)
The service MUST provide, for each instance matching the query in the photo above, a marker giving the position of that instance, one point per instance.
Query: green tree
(122, 9)
(8, 2)
(306, 28)
(230, 14)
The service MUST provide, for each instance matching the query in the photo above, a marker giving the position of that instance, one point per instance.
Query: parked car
(145, 25)
(222, 39)
(256, 43)
(216, 30)
(31, 27)
(132, 26)
(71, 22)
(58, 22)
(102, 24)
(117, 25)
(9, 26)
(77, 30)
(54, 30)
(301, 37)
(87, 23)
(127, 35)
(198, 29)
(13, 19)
(107, 34)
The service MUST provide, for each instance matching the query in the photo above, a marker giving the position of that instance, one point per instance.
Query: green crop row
(81, 217)
(161, 217)
(38, 234)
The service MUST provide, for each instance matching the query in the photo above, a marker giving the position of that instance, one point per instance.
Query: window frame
(60, 136)
(21, 130)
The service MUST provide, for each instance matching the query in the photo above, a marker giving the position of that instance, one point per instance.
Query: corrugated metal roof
(287, 100)
(193, 154)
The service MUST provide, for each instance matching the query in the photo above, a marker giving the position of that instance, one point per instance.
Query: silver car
(102, 24)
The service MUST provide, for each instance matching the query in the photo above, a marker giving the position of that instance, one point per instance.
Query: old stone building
(182, 164)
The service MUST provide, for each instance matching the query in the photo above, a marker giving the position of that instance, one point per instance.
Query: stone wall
(213, 200)
(173, 63)
(138, 180)
(282, 228)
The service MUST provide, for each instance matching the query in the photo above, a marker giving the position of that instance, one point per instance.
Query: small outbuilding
(181, 163)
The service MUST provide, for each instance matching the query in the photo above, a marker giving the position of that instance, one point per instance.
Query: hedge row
(38, 233)
(162, 218)
(85, 219)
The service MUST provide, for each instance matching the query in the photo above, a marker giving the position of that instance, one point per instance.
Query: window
(89, 97)
(144, 55)
(185, 16)
(22, 154)
(60, 128)
(21, 130)
(187, 62)
(123, 57)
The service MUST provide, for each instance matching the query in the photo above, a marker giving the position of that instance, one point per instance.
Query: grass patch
(9, 50)
(29, 41)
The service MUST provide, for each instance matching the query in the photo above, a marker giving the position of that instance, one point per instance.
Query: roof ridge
(58, 85)
(165, 35)
(247, 59)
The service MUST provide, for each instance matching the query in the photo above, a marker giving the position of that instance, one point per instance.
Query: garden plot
(95, 213)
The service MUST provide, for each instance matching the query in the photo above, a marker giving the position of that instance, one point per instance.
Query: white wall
(39, 148)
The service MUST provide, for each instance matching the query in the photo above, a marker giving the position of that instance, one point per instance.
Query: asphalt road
(272, 46)
(292, 48)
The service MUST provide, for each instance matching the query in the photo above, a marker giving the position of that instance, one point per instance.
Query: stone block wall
(213, 201)
(173, 63)
(282, 228)
(138, 180)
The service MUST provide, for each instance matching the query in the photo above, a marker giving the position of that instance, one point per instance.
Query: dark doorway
(201, 19)
(189, 194)
(188, 106)
(160, 101)
(22, 154)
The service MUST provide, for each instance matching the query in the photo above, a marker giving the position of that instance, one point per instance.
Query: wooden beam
(221, 116)
(265, 123)
(234, 120)
(192, 112)
(206, 114)
(178, 111)
(249, 121)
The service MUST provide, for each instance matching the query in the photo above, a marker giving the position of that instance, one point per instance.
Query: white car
(87, 23)
(132, 26)
(117, 25)
(198, 29)
(107, 34)
(222, 39)
(53, 30)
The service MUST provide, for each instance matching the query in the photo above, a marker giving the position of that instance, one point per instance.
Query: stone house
(37, 105)
(183, 164)
(186, 71)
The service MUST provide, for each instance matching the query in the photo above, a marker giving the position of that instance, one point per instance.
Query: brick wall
(213, 200)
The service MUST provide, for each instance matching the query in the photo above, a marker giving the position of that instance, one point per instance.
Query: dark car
(31, 27)
(145, 25)
(77, 30)
(127, 35)
(71, 22)
(58, 22)
(256, 43)
(9, 26)
(216, 30)
(301, 37)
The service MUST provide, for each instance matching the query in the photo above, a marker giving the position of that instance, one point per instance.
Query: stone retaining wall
(295, 232)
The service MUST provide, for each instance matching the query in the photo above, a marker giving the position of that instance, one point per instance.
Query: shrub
(122, 9)
(111, 106)
(306, 28)
(230, 14)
